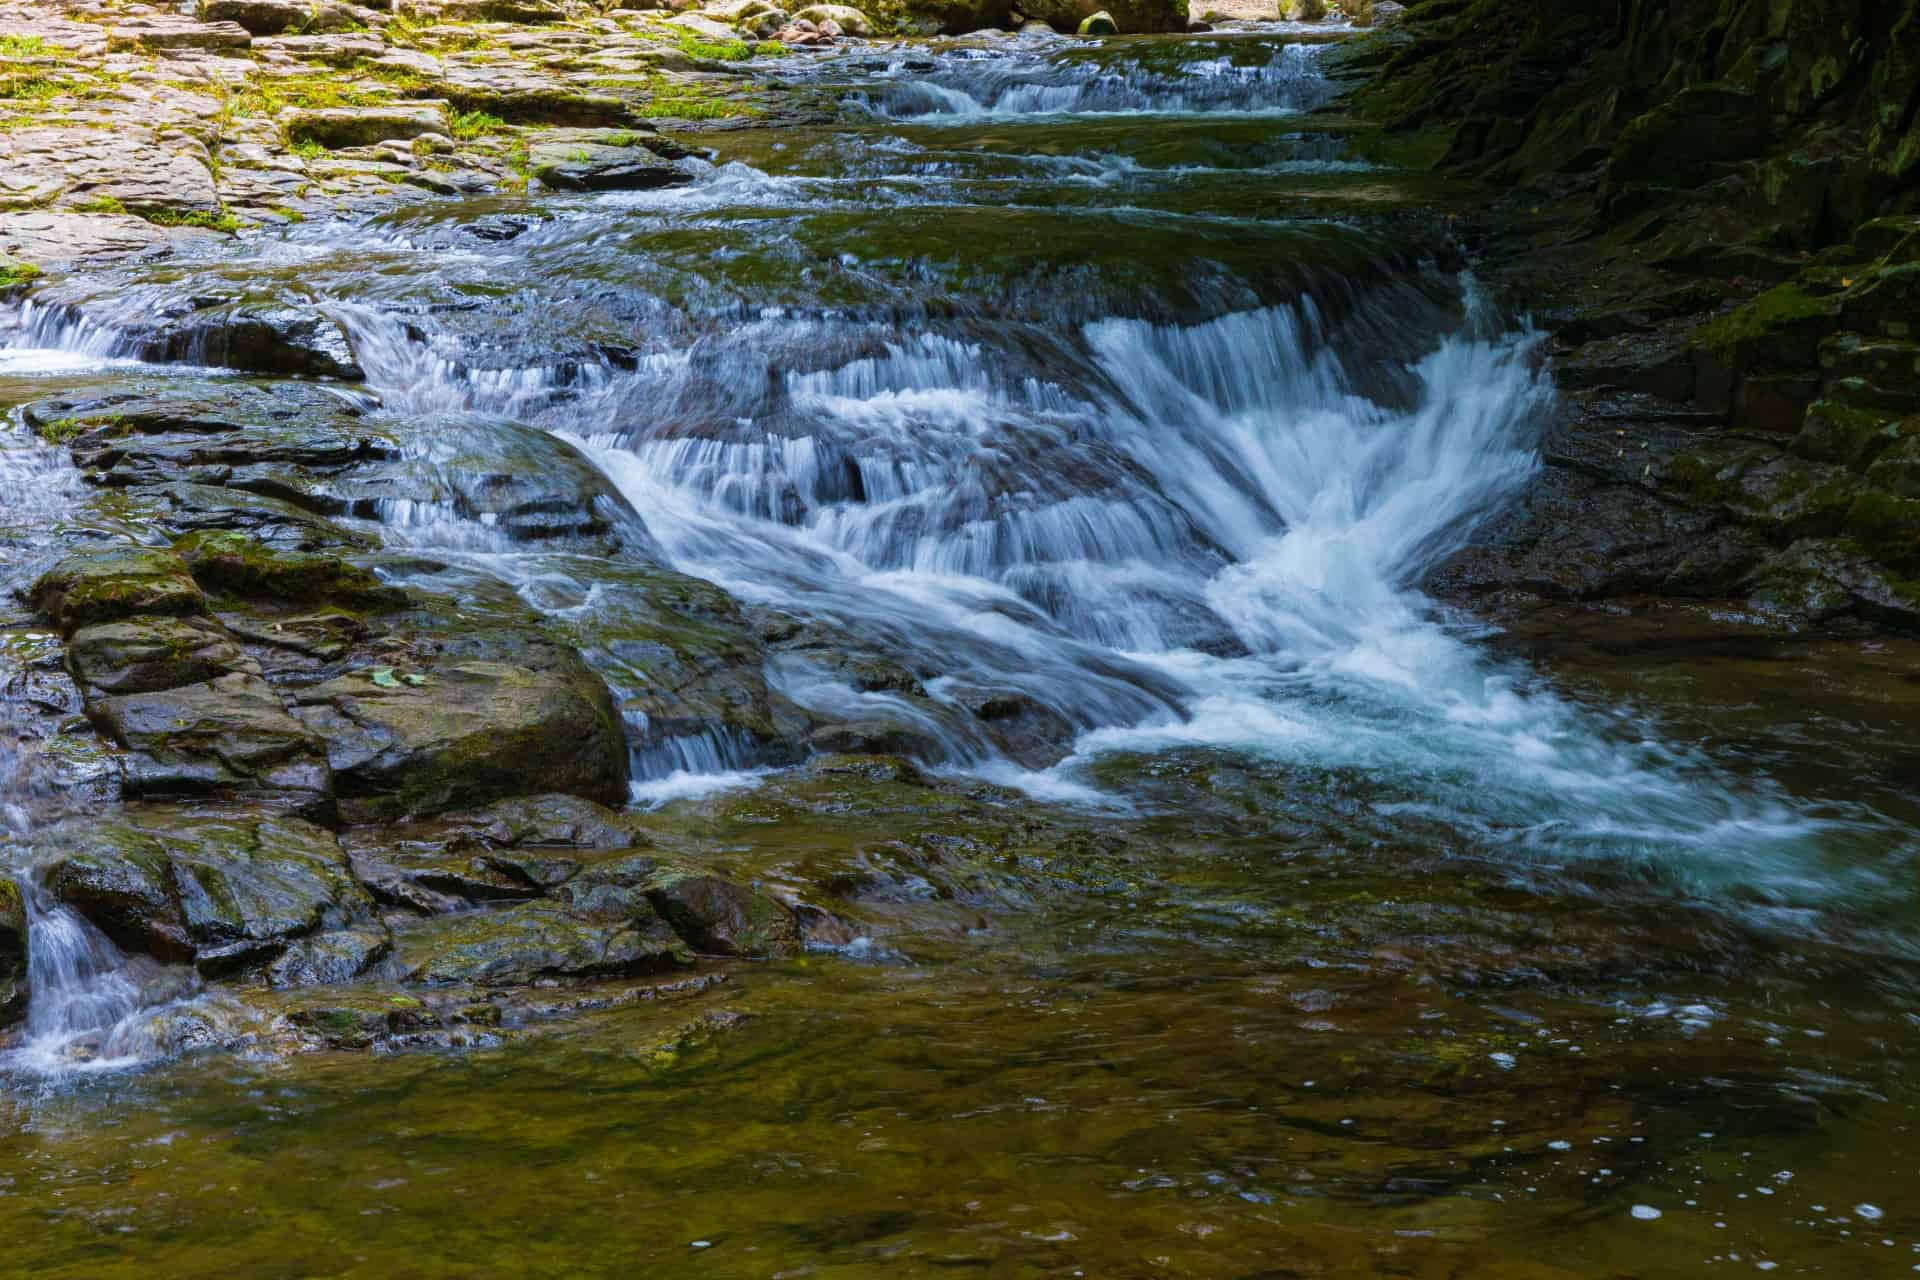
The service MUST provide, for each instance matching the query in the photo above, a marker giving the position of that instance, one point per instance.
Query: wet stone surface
(866, 682)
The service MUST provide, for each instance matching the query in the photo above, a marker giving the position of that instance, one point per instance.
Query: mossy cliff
(1714, 206)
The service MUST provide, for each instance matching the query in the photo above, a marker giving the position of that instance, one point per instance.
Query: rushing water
(1104, 381)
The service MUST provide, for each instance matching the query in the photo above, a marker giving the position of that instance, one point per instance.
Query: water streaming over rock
(1136, 501)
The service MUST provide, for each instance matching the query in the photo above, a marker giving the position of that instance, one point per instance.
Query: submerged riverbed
(1078, 424)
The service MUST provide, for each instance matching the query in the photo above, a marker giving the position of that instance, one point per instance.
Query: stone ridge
(126, 128)
(1713, 207)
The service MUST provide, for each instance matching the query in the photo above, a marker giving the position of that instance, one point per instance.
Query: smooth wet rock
(227, 737)
(460, 732)
(718, 917)
(609, 936)
(225, 890)
(595, 165)
(331, 958)
(147, 654)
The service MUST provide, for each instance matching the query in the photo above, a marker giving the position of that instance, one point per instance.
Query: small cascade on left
(90, 1002)
(72, 1001)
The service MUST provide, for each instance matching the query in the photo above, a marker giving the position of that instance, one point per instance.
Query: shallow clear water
(1111, 381)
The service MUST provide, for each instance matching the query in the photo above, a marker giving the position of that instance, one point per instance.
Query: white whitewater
(1205, 535)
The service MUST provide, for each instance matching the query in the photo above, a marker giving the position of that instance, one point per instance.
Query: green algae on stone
(231, 563)
(116, 583)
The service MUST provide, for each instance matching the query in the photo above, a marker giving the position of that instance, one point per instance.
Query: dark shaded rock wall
(1714, 208)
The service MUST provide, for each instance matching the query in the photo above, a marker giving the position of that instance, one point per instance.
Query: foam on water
(1039, 83)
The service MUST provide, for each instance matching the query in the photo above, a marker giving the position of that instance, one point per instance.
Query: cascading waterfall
(92, 1004)
(1165, 530)
(1034, 83)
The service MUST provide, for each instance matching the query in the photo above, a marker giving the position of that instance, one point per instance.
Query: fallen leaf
(383, 676)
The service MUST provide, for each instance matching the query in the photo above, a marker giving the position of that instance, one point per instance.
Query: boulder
(454, 731)
(228, 737)
(224, 891)
(719, 917)
(1304, 10)
(232, 564)
(597, 166)
(272, 17)
(330, 958)
(850, 20)
(704, 27)
(147, 654)
(114, 584)
(336, 127)
(595, 936)
(737, 10)
(1127, 16)
(1098, 24)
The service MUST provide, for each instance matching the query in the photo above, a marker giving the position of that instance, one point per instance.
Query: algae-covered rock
(330, 958)
(113, 584)
(230, 736)
(1098, 24)
(229, 563)
(719, 917)
(13, 953)
(590, 938)
(144, 655)
(583, 165)
(226, 890)
(462, 732)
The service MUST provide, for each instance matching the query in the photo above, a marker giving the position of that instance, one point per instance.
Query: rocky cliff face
(1712, 206)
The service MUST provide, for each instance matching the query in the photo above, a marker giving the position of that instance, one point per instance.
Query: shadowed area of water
(1112, 386)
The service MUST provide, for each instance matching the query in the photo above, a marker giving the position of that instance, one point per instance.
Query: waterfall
(91, 1004)
(1265, 79)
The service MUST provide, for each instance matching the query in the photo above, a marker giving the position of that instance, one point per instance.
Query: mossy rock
(143, 655)
(224, 890)
(112, 584)
(233, 564)
(1780, 329)
(13, 953)
(1833, 431)
(719, 917)
(1888, 527)
(517, 945)
(459, 732)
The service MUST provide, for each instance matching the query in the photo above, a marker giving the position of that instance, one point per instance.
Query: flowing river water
(1107, 380)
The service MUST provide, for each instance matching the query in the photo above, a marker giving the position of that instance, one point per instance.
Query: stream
(1108, 383)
